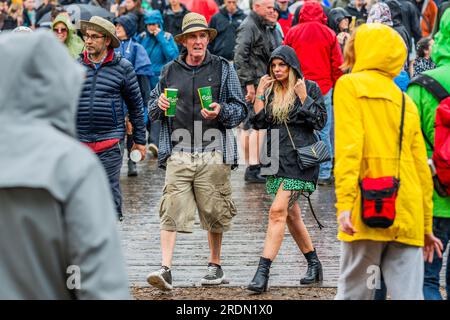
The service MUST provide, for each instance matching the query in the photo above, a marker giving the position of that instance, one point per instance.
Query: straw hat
(193, 22)
(103, 26)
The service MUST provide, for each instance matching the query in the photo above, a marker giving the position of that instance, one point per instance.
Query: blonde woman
(285, 100)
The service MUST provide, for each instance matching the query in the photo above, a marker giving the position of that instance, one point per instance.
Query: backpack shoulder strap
(431, 85)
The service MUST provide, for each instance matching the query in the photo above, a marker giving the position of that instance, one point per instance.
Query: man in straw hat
(110, 79)
(196, 148)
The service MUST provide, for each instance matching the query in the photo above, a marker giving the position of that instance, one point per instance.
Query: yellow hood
(379, 47)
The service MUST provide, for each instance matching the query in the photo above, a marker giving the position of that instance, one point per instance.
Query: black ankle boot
(253, 174)
(261, 278)
(314, 273)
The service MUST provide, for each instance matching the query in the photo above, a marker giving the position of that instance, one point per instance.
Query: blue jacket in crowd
(131, 50)
(160, 49)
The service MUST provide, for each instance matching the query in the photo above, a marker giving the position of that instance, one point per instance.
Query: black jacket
(159, 5)
(410, 19)
(254, 45)
(303, 120)
(360, 15)
(42, 10)
(100, 109)
(9, 23)
(226, 26)
(336, 15)
(396, 14)
(173, 21)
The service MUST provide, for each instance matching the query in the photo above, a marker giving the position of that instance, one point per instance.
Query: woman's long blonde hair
(349, 53)
(283, 98)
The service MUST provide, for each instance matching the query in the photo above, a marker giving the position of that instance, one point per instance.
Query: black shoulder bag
(312, 155)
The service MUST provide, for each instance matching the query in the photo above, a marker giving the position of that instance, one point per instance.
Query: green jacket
(427, 104)
(73, 42)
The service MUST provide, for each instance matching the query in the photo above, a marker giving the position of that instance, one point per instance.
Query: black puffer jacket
(254, 45)
(226, 26)
(100, 113)
(303, 120)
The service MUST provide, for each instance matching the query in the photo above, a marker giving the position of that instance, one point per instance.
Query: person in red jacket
(206, 8)
(320, 56)
(286, 17)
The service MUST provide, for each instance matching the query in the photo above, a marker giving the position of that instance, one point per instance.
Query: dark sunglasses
(60, 30)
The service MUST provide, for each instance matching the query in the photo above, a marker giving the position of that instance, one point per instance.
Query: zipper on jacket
(91, 101)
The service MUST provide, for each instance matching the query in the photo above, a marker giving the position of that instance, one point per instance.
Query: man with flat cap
(110, 79)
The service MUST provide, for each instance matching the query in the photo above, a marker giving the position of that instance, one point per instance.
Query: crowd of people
(352, 95)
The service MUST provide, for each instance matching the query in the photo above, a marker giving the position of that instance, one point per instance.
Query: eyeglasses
(60, 30)
(94, 37)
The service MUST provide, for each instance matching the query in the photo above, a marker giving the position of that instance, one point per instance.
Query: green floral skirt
(273, 184)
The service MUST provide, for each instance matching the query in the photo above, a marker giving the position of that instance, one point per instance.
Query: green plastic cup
(205, 95)
(172, 96)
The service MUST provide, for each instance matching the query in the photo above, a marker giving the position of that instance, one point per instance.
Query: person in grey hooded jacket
(58, 233)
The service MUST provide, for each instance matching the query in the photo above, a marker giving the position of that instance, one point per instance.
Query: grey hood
(38, 103)
(43, 82)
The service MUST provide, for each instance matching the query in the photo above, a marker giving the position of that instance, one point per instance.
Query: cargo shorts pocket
(167, 222)
(225, 207)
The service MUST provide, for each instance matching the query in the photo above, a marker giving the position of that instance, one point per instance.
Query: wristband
(261, 97)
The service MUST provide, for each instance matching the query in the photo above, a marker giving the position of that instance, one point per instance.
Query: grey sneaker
(161, 279)
(214, 276)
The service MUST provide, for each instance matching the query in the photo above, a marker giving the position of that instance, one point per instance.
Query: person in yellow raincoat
(368, 108)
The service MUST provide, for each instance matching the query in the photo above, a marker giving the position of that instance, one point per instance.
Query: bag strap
(306, 196)
(312, 211)
(290, 137)
(431, 85)
(437, 91)
(402, 122)
(428, 141)
(292, 140)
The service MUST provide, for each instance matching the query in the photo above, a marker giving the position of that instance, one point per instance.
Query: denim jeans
(154, 128)
(111, 160)
(325, 167)
(441, 229)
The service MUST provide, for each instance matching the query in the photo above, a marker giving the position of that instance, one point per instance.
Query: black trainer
(215, 275)
(161, 279)
(253, 174)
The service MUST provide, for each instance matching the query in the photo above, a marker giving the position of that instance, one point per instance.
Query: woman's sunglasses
(60, 30)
